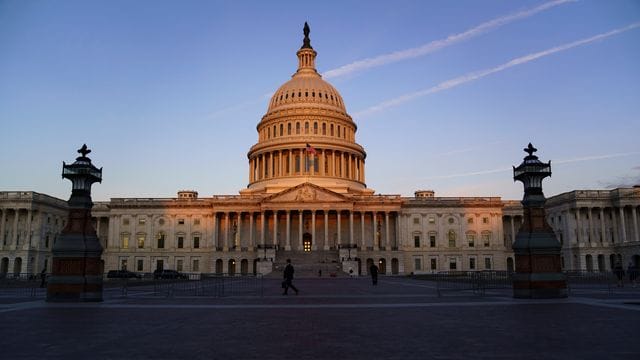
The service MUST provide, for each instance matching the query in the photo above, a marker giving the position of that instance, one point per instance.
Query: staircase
(307, 264)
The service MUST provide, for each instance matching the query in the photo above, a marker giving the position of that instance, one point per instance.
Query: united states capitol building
(307, 199)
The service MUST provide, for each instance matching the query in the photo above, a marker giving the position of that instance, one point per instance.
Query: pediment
(306, 193)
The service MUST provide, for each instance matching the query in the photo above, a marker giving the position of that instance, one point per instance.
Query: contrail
(505, 169)
(439, 44)
(482, 73)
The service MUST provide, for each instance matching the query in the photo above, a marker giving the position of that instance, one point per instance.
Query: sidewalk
(330, 319)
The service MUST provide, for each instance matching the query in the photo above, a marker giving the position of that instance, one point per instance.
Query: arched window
(274, 131)
(288, 128)
(315, 127)
(338, 130)
(160, 240)
(324, 128)
(281, 129)
(306, 127)
(486, 238)
(268, 133)
(298, 128)
(331, 129)
(452, 238)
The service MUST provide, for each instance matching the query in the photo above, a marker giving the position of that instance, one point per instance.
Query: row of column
(618, 224)
(232, 232)
(280, 163)
(14, 232)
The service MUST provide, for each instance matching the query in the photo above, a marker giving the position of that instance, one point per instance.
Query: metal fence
(22, 285)
(212, 285)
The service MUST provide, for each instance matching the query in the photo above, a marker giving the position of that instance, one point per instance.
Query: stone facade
(597, 228)
(30, 223)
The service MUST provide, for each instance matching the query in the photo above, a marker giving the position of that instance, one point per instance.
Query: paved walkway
(330, 319)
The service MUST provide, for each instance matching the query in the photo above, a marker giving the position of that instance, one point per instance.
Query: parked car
(169, 274)
(123, 274)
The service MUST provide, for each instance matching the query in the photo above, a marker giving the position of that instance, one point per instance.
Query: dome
(307, 89)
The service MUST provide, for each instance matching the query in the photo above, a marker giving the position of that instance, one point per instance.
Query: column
(333, 163)
(339, 240)
(622, 225)
(215, 231)
(513, 230)
(313, 230)
(602, 228)
(280, 172)
(300, 230)
(288, 245)
(326, 230)
(2, 222)
(350, 228)
(262, 228)
(225, 246)
(592, 234)
(635, 223)
(251, 237)
(238, 239)
(387, 244)
(275, 227)
(375, 229)
(362, 241)
(342, 168)
(396, 243)
(30, 214)
(322, 162)
(14, 236)
(579, 227)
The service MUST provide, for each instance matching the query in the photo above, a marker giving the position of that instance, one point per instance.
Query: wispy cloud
(509, 168)
(436, 45)
(482, 73)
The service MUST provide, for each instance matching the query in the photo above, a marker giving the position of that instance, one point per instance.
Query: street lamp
(536, 249)
(77, 266)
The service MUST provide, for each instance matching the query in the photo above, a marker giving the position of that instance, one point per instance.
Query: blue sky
(168, 93)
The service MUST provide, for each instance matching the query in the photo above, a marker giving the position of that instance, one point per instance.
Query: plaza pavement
(343, 318)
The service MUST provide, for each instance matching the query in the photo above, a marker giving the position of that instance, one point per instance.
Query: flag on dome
(310, 149)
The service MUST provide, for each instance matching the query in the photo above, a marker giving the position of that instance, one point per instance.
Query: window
(485, 220)
(451, 220)
(452, 238)
(297, 128)
(417, 264)
(196, 221)
(416, 241)
(46, 241)
(324, 129)
(289, 129)
(125, 241)
(140, 265)
(123, 264)
(416, 220)
(297, 163)
(434, 264)
(180, 221)
(180, 242)
(486, 239)
(432, 241)
(125, 221)
(306, 127)
(471, 239)
(196, 242)
(472, 263)
(315, 127)
(196, 265)
(453, 265)
(487, 263)
(142, 221)
(432, 220)
(141, 241)
(161, 221)
(470, 221)
(160, 239)
(179, 265)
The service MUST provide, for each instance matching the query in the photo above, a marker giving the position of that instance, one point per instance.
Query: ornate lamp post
(537, 251)
(77, 268)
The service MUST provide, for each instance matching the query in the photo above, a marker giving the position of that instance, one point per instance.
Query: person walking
(43, 277)
(618, 270)
(373, 270)
(632, 271)
(288, 278)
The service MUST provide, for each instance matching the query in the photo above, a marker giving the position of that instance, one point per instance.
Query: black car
(123, 274)
(168, 274)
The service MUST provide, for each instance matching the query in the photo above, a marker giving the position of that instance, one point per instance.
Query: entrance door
(306, 242)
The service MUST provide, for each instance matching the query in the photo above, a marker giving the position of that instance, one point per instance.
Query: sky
(445, 94)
